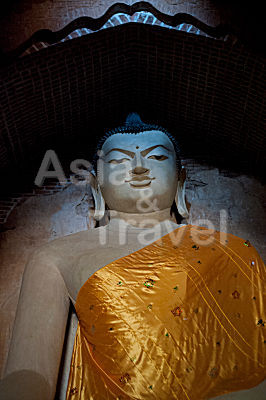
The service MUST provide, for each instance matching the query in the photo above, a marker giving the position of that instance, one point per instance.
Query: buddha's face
(138, 172)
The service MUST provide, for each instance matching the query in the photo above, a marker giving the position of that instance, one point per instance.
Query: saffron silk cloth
(174, 320)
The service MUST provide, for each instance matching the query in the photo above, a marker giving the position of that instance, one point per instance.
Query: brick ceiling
(208, 93)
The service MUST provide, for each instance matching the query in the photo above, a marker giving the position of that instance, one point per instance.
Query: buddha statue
(166, 310)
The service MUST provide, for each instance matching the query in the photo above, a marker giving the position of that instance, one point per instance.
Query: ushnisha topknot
(134, 119)
(134, 125)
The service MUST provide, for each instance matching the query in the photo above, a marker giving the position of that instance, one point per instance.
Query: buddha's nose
(138, 170)
(138, 165)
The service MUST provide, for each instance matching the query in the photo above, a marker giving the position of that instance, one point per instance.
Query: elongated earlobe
(98, 211)
(180, 198)
(99, 203)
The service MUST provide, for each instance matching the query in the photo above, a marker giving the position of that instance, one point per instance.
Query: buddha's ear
(92, 179)
(99, 202)
(180, 197)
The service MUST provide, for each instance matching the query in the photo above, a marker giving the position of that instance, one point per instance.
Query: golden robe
(172, 321)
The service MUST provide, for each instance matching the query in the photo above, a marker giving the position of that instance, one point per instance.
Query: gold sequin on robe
(172, 321)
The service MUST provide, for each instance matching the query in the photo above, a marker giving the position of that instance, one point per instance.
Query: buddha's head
(139, 170)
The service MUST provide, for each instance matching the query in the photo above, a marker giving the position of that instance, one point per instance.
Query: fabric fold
(172, 321)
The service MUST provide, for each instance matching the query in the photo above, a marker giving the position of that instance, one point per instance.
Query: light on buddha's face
(135, 167)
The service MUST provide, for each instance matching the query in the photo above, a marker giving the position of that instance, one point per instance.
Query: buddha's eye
(158, 158)
(119, 161)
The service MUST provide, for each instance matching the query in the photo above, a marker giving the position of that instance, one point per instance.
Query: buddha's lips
(136, 181)
(140, 178)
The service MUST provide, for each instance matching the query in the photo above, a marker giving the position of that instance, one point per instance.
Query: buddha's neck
(144, 220)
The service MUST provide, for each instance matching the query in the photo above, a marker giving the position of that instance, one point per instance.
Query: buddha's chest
(89, 262)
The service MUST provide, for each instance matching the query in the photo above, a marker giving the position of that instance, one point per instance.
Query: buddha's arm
(38, 334)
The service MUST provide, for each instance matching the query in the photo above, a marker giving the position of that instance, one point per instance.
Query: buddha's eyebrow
(127, 152)
(145, 152)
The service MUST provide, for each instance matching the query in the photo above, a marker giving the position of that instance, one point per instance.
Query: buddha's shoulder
(223, 237)
(231, 244)
(68, 245)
